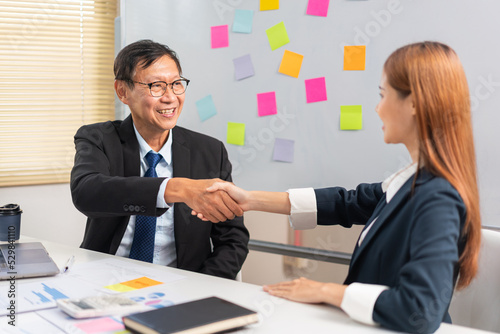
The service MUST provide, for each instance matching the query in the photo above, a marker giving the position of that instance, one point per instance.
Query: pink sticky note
(100, 325)
(318, 7)
(220, 36)
(315, 90)
(266, 103)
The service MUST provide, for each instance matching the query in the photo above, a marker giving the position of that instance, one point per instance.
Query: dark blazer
(107, 188)
(413, 247)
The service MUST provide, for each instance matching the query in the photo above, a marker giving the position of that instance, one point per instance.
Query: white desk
(278, 315)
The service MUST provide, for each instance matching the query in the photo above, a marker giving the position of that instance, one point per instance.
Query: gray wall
(324, 155)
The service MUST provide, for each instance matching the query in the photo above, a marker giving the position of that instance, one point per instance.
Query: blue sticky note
(206, 108)
(283, 150)
(243, 21)
(243, 67)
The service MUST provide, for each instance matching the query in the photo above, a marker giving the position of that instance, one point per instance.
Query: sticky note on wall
(317, 7)
(236, 133)
(269, 4)
(277, 36)
(206, 108)
(266, 104)
(351, 117)
(220, 36)
(243, 67)
(243, 21)
(283, 150)
(291, 64)
(315, 90)
(354, 57)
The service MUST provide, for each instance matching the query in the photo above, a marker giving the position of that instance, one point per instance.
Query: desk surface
(277, 315)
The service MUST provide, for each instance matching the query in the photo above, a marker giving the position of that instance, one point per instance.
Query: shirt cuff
(359, 301)
(160, 198)
(303, 208)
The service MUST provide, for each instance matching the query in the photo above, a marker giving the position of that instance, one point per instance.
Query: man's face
(153, 116)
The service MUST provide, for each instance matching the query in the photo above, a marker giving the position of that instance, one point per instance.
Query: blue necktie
(145, 226)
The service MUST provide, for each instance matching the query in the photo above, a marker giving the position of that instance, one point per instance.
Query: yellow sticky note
(236, 133)
(119, 288)
(291, 64)
(277, 36)
(351, 118)
(269, 4)
(354, 57)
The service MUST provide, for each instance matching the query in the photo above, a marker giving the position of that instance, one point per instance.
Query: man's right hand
(214, 206)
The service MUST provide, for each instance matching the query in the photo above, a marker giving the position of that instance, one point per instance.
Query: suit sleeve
(347, 207)
(229, 239)
(417, 302)
(98, 185)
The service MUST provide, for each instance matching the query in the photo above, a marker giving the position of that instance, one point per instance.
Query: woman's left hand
(307, 291)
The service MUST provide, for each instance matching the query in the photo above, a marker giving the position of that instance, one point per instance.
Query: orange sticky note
(269, 4)
(140, 283)
(291, 64)
(354, 57)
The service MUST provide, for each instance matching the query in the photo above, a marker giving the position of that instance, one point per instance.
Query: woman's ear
(121, 90)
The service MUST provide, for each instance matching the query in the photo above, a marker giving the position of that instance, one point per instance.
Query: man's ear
(121, 91)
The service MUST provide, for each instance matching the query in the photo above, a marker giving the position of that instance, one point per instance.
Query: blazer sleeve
(347, 207)
(98, 184)
(422, 293)
(229, 239)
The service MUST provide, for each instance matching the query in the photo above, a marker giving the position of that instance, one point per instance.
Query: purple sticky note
(266, 103)
(315, 90)
(318, 7)
(220, 36)
(243, 67)
(283, 150)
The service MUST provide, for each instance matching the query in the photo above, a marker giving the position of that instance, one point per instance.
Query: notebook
(29, 259)
(207, 315)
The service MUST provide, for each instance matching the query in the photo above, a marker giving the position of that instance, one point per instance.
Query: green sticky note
(351, 118)
(236, 133)
(277, 36)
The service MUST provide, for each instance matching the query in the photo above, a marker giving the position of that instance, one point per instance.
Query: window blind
(56, 74)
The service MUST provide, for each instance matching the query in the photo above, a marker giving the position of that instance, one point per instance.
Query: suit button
(143, 209)
(125, 208)
(131, 208)
(137, 208)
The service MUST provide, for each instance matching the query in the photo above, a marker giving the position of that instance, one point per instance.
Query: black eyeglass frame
(166, 85)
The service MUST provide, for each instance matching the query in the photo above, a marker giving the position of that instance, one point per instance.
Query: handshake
(212, 200)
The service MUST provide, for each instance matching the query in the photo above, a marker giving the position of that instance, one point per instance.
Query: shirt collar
(165, 151)
(393, 183)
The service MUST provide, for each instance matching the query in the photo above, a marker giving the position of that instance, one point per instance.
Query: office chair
(478, 305)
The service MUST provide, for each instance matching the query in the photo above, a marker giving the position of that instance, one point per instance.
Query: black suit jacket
(107, 188)
(413, 247)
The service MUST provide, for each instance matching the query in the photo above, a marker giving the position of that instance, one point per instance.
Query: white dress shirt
(164, 250)
(359, 298)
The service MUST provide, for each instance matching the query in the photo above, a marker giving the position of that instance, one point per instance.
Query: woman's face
(398, 116)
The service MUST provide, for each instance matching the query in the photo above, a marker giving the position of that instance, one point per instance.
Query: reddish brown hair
(433, 73)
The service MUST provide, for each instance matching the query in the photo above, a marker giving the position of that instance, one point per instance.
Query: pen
(69, 263)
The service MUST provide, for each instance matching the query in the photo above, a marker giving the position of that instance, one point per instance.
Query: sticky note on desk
(269, 4)
(354, 57)
(236, 133)
(317, 7)
(206, 108)
(291, 64)
(220, 36)
(351, 117)
(243, 21)
(135, 284)
(266, 104)
(283, 150)
(315, 90)
(277, 36)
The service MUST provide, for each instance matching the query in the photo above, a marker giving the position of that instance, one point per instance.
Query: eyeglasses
(158, 88)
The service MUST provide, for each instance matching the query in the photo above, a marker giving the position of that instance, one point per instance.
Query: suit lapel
(180, 154)
(131, 161)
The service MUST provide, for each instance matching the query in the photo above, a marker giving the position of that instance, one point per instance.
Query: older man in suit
(128, 175)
